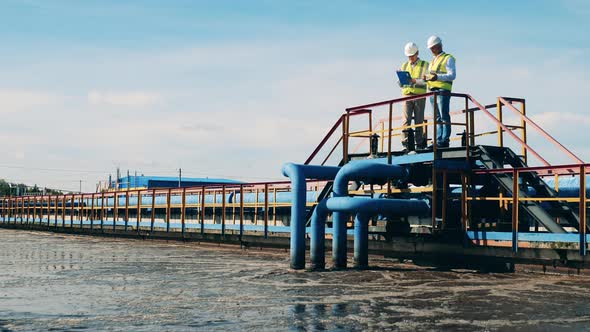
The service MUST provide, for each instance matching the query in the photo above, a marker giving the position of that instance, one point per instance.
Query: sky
(236, 89)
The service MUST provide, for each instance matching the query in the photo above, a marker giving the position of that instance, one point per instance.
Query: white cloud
(561, 120)
(20, 100)
(126, 99)
(238, 109)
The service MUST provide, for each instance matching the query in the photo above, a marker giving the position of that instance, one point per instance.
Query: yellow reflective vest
(439, 66)
(417, 71)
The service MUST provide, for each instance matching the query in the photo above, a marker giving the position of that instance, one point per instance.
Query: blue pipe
(298, 174)
(569, 186)
(369, 171)
(364, 207)
(317, 242)
(361, 240)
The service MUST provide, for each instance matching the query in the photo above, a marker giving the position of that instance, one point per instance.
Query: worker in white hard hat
(440, 77)
(414, 108)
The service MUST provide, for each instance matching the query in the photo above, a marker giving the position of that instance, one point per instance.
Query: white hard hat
(433, 41)
(410, 49)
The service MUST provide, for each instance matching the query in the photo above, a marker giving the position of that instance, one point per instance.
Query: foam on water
(62, 282)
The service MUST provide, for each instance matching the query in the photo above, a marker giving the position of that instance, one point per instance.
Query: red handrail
(392, 101)
(530, 169)
(331, 132)
(506, 129)
(530, 122)
(324, 140)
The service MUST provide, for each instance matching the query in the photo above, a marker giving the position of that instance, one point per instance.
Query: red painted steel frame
(530, 122)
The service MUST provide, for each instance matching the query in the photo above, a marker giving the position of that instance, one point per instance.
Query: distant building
(148, 182)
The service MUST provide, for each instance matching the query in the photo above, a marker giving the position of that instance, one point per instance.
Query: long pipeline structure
(481, 195)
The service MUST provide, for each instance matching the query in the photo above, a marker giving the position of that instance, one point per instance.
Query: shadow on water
(318, 317)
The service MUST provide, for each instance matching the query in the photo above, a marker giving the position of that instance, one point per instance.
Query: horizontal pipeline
(192, 199)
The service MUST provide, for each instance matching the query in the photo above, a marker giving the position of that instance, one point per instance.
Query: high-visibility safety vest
(417, 71)
(439, 66)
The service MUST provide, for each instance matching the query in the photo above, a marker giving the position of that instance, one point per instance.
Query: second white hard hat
(433, 41)
(410, 49)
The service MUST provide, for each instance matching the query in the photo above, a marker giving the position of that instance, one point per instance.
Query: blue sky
(237, 88)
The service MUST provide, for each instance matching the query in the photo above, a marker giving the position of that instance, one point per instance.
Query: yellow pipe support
(382, 136)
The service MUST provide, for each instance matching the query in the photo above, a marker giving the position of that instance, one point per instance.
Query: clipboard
(404, 77)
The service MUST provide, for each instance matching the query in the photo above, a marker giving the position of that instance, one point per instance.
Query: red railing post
(435, 113)
(524, 138)
(41, 208)
(81, 206)
(115, 209)
(390, 133)
(34, 198)
(138, 210)
(266, 210)
(126, 208)
(168, 202)
(72, 211)
(370, 128)
(102, 211)
(241, 211)
(515, 194)
(467, 130)
(63, 210)
(56, 210)
(183, 210)
(500, 121)
(464, 202)
(582, 213)
(203, 210)
(92, 214)
(345, 137)
(222, 210)
(153, 216)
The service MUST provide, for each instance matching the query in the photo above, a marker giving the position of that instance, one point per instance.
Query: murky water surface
(63, 282)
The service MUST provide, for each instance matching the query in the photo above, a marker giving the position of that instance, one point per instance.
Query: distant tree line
(21, 189)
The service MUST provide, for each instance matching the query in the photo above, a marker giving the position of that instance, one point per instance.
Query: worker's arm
(451, 72)
(419, 83)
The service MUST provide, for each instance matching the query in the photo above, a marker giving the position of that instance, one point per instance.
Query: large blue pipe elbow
(370, 171)
(298, 174)
(364, 207)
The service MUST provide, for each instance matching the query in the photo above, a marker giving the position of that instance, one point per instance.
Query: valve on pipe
(374, 144)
